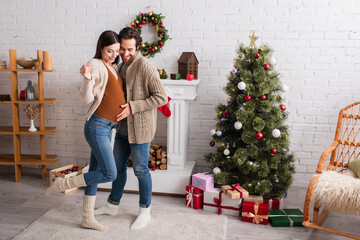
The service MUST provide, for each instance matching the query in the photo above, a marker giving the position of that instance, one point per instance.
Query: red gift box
(194, 197)
(273, 203)
(255, 212)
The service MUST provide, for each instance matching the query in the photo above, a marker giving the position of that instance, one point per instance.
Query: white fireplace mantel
(179, 168)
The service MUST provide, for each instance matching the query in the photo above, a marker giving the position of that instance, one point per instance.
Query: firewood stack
(157, 157)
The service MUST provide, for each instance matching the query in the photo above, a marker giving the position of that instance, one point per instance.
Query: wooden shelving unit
(18, 159)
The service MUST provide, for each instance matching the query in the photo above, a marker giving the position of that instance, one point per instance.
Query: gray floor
(23, 202)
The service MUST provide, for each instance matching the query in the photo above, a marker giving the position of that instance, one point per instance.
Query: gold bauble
(132, 23)
(228, 99)
(160, 71)
(240, 55)
(223, 144)
(150, 14)
(250, 185)
(143, 45)
(137, 21)
(155, 48)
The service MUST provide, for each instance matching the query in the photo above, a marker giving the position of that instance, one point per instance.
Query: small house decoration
(188, 64)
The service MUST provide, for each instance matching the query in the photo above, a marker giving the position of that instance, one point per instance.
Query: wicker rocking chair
(345, 147)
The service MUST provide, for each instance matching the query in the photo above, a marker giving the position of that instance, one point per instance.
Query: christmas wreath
(150, 49)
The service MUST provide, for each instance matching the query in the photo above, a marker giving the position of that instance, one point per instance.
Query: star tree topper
(253, 39)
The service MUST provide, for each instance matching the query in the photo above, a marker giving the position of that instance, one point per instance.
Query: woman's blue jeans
(140, 159)
(102, 163)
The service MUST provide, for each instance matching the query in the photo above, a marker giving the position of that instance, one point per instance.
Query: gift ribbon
(288, 216)
(271, 202)
(256, 218)
(217, 204)
(190, 195)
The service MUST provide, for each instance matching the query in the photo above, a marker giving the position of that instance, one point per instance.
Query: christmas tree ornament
(226, 152)
(259, 136)
(212, 143)
(272, 60)
(257, 55)
(282, 107)
(153, 168)
(273, 151)
(266, 66)
(218, 133)
(216, 170)
(247, 98)
(262, 97)
(212, 131)
(237, 125)
(284, 88)
(226, 112)
(276, 133)
(228, 99)
(240, 55)
(241, 85)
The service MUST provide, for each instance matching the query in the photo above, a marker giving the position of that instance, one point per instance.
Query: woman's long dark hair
(107, 38)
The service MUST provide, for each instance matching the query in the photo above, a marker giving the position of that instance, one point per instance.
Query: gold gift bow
(256, 218)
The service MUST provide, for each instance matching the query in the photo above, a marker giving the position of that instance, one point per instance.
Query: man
(144, 93)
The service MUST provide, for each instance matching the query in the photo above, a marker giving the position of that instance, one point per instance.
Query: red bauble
(226, 112)
(153, 168)
(143, 22)
(153, 24)
(259, 136)
(132, 26)
(152, 50)
(257, 55)
(63, 173)
(282, 107)
(142, 14)
(212, 143)
(247, 98)
(273, 151)
(139, 26)
(161, 25)
(267, 66)
(263, 97)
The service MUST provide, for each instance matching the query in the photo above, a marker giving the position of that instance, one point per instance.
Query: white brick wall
(316, 43)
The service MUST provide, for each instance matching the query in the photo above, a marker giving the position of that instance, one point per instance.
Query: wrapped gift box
(234, 191)
(216, 201)
(274, 203)
(255, 212)
(286, 217)
(203, 181)
(175, 76)
(254, 198)
(194, 197)
(5, 97)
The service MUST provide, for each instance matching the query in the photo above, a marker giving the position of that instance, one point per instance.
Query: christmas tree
(250, 128)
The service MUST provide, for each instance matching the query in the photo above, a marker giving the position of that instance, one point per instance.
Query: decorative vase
(32, 126)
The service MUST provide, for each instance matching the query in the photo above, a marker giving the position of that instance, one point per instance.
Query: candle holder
(32, 113)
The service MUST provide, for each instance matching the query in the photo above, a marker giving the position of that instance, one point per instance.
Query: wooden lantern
(188, 64)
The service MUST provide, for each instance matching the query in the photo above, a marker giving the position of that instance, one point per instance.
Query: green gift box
(286, 217)
(175, 76)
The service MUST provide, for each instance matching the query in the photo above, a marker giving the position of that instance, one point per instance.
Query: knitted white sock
(88, 219)
(61, 184)
(142, 219)
(107, 209)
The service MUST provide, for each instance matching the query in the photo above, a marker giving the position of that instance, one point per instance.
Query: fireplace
(179, 168)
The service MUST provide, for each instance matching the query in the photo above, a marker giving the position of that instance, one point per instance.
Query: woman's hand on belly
(124, 113)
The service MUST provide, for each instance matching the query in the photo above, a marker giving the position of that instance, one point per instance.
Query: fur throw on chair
(338, 192)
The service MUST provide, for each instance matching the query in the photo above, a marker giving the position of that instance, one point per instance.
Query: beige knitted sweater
(92, 91)
(145, 93)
